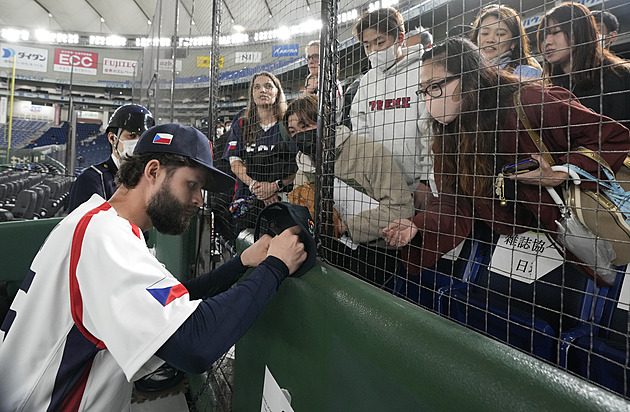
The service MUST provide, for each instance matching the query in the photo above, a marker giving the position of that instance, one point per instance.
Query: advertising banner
(119, 67)
(167, 65)
(285, 50)
(206, 61)
(26, 58)
(81, 62)
(248, 57)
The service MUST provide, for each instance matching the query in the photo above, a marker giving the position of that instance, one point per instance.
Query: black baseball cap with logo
(277, 217)
(186, 141)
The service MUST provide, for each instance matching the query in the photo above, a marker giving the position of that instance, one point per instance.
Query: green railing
(338, 344)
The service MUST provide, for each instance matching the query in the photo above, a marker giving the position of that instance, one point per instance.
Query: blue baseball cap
(185, 141)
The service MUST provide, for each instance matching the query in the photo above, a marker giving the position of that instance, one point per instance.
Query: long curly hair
(465, 149)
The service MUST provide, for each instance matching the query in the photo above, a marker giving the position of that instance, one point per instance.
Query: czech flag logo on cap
(163, 138)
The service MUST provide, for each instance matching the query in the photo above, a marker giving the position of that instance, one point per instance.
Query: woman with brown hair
(477, 133)
(500, 36)
(260, 151)
(568, 36)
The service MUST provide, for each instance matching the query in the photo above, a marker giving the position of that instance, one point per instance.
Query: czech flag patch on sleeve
(169, 294)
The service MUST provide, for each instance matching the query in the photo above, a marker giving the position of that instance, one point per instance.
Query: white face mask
(445, 109)
(128, 146)
(384, 59)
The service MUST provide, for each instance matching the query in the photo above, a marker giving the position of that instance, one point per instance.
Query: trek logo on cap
(163, 138)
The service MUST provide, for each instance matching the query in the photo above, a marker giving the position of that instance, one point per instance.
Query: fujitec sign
(81, 62)
(119, 67)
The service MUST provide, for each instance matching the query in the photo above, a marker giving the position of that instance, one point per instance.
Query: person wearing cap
(125, 126)
(97, 310)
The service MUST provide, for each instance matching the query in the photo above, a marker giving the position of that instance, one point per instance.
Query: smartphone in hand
(520, 167)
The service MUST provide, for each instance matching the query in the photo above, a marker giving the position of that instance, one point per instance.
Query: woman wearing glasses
(499, 34)
(477, 133)
(574, 59)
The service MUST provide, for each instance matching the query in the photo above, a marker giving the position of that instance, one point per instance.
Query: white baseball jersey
(88, 319)
(387, 109)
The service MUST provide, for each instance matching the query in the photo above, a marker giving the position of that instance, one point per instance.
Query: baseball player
(125, 126)
(98, 311)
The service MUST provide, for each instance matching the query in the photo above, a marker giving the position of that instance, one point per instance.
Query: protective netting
(429, 166)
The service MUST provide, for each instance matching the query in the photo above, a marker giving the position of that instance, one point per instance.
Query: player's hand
(256, 253)
(400, 232)
(288, 248)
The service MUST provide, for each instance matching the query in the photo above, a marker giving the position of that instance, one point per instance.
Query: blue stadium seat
(600, 350)
(423, 289)
(528, 315)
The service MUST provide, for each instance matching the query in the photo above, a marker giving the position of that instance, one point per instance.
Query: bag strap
(532, 133)
(543, 148)
(596, 158)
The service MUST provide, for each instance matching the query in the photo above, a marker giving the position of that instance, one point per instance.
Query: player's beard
(168, 215)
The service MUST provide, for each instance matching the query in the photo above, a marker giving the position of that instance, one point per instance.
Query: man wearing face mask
(123, 130)
(385, 107)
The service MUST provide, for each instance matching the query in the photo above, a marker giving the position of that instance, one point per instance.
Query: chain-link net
(439, 169)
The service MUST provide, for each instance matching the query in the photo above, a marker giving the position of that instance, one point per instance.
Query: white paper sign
(526, 257)
(273, 399)
(26, 58)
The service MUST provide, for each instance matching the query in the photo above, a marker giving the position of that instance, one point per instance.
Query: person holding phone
(477, 132)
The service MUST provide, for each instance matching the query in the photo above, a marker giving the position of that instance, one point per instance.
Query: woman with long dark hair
(477, 132)
(260, 151)
(499, 34)
(568, 36)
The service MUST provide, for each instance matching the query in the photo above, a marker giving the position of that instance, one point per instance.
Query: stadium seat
(600, 350)
(527, 315)
(25, 205)
(424, 289)
(43, 212)
(38, 202)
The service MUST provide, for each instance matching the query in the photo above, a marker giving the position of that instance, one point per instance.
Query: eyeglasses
(434, 89)
(312, 56)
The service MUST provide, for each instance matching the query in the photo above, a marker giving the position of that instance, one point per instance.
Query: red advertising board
(82, 62)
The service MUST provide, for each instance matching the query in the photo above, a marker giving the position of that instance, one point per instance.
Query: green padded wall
(338, 344)
(19, 243)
